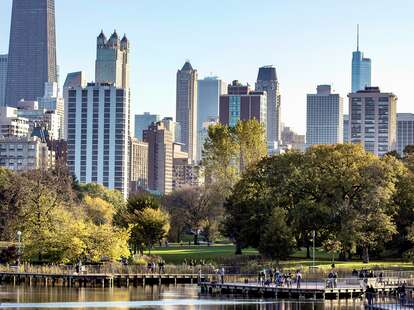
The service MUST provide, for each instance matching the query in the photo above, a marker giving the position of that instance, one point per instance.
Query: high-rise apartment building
(173, 127)
(186, 108)
(160, 158)
(138, 174)
(98, 125)
(185, 173)
(98, 135)
(373, 120)
(12, 125)
(241, 103)
(142, 121)
(209, 91)
(32, 50)
(405, 131)
(361, 69)
(25, 154)
(267, 81)
(346, 128)
(3, 78)
(324, 117)
(112, 63)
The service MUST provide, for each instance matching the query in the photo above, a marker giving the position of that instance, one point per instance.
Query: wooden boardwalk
(308, 290)
(96, 280)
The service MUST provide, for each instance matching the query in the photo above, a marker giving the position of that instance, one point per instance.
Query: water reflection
(184, 297)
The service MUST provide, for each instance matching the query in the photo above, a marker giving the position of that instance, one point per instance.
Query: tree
(111, 196)
(98, 210)
(151, 226)
(197, 209)
(277, 241)
(250, 136)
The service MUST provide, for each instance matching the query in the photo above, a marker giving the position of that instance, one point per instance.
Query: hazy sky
(309, 42)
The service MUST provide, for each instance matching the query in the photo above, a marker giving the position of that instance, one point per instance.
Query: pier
(315, 290)
(96, 280)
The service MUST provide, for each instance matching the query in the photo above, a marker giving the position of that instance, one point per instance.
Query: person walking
(222, 275)
(298, 278)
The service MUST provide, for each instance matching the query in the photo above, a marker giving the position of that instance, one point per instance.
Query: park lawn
(175, 254)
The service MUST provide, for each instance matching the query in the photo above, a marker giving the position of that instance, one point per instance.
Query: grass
(176, 254)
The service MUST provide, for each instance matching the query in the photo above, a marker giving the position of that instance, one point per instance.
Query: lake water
(149, 297)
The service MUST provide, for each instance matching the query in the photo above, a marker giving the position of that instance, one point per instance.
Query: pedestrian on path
(298, 278)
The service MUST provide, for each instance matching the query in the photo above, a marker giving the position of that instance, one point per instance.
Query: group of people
(152, 266)
(365, 273)
(332, 281)
(266, 277)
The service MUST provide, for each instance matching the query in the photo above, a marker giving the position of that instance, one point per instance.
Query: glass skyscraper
(361, 69)
(32, 50)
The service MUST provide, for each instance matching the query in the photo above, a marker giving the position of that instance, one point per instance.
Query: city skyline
(303, 58)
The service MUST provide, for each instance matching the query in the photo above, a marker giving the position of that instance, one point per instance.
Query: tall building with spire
(112, 63)
(98, 119)
(32, 50)
(186, 108)
(267, 81)
(361, 69)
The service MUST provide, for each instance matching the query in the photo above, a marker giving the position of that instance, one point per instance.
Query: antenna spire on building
(357, 37)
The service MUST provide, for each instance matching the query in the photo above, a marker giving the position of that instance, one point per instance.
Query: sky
(309, 43)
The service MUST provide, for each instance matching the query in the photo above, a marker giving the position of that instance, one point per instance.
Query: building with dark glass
(32, 50)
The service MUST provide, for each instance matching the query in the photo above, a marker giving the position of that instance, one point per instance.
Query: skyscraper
(324, 117)
(373, 120)
(98, 128)
(160, 158)
(75, 79)
(138, 159)
(405, 131)
(241, 103)
(361, 69)
(112, 63)
(32, 50)
(267, 81)
(142, 121)
(209, 91)
(3, 77)
(186, 108)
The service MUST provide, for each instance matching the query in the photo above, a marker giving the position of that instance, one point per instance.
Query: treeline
(353, 201)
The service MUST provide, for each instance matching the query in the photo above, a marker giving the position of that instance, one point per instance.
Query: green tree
(198, 209)
(151, 227)
(250, 136)
(277, 241)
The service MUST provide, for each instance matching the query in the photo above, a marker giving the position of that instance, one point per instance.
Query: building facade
(324, 117)
(32, 50)
(53, 104)
(405, 131)
(142, 121)
(98, 135)
(361, 69)
(160, 158)
(267, 81)
(186, 108)
(11, 125)
(346, 128)
(373, 120)
(3, 78)
(75, 79)
(25, 154)
(241, 103)
(292, 140)
(209, 91)
(138, 174)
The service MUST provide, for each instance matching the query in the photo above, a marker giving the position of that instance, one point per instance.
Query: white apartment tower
(98, 120)
(373, 120)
